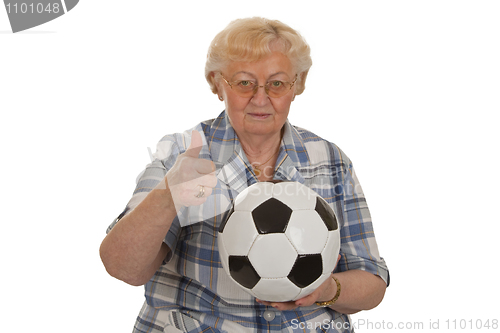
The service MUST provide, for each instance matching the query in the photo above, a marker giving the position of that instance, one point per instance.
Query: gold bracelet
(334, 299)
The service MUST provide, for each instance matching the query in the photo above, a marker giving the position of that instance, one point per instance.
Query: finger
(306, 301)
(192, 195)
(204, 166)
(195, 146)
(209, 180)
(284, 306)
(207, 191)
(263, 302)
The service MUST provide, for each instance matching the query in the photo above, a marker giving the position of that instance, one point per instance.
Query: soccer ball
(280, 241)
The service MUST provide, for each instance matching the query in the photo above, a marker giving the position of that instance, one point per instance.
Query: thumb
(196, 143)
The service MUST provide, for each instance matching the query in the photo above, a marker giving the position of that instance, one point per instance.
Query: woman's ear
(215, 83)
(302, 83)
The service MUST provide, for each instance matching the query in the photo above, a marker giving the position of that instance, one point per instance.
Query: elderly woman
(166, 237)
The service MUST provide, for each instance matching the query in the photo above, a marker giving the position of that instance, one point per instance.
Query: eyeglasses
(248, 88)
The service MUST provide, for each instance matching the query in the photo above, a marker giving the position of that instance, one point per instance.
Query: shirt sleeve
(359, 249)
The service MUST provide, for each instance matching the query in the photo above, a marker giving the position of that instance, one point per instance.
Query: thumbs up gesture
(191, 179)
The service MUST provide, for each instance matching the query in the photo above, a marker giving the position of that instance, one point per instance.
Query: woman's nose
(260, 97)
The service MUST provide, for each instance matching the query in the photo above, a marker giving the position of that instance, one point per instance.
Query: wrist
(163, 193)
(332, 301)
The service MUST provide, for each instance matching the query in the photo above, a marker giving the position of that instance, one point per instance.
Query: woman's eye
(245, 83)
(276, 84)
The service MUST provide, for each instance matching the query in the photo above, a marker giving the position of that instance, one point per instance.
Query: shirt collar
(233, 167)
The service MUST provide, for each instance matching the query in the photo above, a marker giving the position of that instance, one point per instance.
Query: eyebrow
(270, 76)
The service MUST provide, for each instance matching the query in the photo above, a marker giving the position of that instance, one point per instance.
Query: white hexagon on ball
(272, 255)
(307, 231)
(241, 224)
(331, 251)
(278, 290)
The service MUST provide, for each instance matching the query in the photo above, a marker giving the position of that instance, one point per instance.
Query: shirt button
(269, 315)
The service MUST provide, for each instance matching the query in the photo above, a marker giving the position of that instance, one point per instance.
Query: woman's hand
(325, 292)
(191, 179)
(361, 290)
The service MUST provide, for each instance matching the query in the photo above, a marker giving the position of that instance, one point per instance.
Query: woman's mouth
(259, 116)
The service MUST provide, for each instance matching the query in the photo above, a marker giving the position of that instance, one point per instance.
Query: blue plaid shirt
(191, 292)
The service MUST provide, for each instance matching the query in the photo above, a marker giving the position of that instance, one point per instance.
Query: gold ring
(201, 193)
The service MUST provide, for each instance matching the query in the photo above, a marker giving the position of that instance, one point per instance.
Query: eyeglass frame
(266, 88)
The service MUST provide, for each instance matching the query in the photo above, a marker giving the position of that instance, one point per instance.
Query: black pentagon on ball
(242, 271)
(326, 213)
(271, 216)
(307, 269)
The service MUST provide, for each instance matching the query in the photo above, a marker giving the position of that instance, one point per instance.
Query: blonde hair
(252, 39)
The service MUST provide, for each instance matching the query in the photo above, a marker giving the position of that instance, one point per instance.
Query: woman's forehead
(274, 64)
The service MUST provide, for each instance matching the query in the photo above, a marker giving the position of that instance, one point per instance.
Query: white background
(408, 89)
